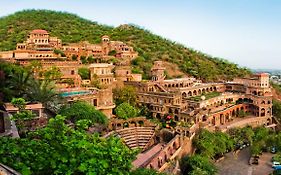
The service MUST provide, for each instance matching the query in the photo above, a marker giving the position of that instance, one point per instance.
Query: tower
(105, 44)
(158, 71)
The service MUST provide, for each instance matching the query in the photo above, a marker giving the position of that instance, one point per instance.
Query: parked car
(273, 150)
(277, 167)
(275, 164)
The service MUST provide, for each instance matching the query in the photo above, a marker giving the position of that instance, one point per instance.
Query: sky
(246, 32)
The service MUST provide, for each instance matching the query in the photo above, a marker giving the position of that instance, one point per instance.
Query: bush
(125, 111)
(84, 73)
(82, 110)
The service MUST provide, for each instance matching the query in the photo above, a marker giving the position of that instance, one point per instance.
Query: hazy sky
(247, 32)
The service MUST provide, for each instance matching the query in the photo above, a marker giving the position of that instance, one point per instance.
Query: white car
(275, 164)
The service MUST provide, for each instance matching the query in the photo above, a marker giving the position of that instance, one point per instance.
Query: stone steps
(136, 137)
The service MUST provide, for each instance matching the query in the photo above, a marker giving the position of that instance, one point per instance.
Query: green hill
(71, 28)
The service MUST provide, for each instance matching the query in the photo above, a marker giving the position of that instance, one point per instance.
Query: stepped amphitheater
(136, 137)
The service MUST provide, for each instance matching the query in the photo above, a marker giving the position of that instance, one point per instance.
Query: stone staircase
(136, 137)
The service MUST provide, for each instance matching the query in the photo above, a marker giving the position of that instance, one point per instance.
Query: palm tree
(19, 81)
(42, 91)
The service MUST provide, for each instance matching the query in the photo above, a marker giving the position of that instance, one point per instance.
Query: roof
(10, 107)
(39, 31)
(99, 65)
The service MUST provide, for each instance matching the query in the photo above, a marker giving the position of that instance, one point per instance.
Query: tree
(83, 59)
(74, 57)
(19, 81)
(34, 66)
(60, 149)
(42, 91)
(84, 73)
(112, 53)
(276, 109)
(83, 110)
(190, 165)
(125, 111)
(91, 59)
(19, 103)
(53, 73)
(126, 94)
(210, 144)
(22, 115)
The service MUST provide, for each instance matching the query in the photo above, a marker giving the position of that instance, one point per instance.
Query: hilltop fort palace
(185, 104)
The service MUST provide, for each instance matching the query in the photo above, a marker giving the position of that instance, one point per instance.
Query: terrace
(205, 96)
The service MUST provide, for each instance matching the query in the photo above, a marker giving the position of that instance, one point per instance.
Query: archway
(262, 112)
(195, 93)
(141, 123)
(184, 95)
(203, 91)
(133, 124)
(204, 118)
(176, 118)
(125, 125)
(158, 116)
(222, 119)
(189, 93)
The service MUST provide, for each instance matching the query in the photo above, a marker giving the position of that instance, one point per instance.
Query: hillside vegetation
(71, 28)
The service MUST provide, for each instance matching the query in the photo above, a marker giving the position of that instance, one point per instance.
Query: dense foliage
(125, 111)
(84, 73)
(17, 81)
(276, 109)
(210, 144)
(60, 149)
(71, 28)
(127, 94)
(197, 165)
(82, 110)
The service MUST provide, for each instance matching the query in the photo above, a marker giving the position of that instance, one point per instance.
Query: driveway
(238, 164)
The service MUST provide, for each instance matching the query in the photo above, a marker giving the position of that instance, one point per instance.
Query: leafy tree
(74, 57)
(91, 59)
(125, 111)
(211, 144)
(83, 110)
(21, 116)
(83, 59)
(192, 164)
(126, 94)
(276, 109)
(84, 73)
(53, 73)
(60, 149)
(59, 52)
(19, 103)
(34, 66)
(112, 53)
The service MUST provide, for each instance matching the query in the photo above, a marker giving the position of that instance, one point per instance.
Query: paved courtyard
(238, 164)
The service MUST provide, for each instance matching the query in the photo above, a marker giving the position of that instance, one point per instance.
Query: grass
(207, 96)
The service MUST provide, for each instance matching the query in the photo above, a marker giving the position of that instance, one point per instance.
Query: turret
(158, 71)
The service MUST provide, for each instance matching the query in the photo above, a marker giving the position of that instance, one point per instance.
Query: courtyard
(239, 164)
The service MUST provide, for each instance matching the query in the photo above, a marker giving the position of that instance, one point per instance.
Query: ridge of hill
(72, 28)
